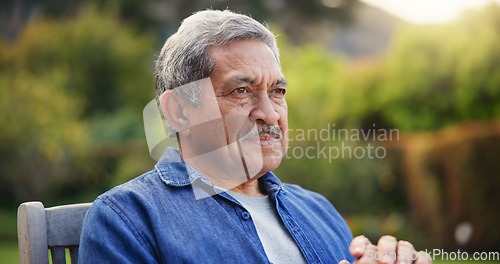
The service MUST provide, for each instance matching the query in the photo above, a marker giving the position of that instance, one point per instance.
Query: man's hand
(387, 251)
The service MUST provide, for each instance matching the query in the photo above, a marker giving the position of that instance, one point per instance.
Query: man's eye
(240, 90)
(279, 91)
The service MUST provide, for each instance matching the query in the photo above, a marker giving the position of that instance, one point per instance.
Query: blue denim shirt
(155, 218)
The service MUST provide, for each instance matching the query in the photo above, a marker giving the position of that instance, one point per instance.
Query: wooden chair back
(41, 229)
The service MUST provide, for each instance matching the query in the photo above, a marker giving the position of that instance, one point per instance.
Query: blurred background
(76, 75)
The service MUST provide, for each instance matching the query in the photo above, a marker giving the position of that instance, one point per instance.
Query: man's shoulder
(140, 187)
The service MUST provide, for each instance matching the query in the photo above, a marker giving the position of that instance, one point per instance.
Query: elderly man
(215, 199)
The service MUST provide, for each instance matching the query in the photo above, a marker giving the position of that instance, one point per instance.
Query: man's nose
(264, 110)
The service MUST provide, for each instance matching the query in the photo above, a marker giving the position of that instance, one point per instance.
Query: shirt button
(245, 215)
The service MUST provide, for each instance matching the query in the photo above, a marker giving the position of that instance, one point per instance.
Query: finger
(358, 246)
(369, 255)
(423, 258)
(344, 262)
(386, 249)
(406, 252)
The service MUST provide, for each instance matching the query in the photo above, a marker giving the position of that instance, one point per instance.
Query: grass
(8, 252)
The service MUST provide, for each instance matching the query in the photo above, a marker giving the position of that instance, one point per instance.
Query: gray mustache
(269, 129)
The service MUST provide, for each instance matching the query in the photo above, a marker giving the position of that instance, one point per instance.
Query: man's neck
(219, 176)
(251, 188)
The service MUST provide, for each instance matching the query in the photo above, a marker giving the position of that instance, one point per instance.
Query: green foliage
(57, 79)
(313, 75)
(440, 75)
(433, 76)
(106, 63)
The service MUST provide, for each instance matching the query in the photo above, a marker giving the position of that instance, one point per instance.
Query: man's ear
(174, 110)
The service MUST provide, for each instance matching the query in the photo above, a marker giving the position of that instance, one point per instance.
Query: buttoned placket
(246, 222)
(294, 230)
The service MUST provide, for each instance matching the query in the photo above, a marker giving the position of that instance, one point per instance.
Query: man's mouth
(268, 140)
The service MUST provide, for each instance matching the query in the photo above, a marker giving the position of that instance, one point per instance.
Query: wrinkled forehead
(250, 60)
(244, 53)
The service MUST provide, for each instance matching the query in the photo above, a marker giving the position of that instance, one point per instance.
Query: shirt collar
(175, 172)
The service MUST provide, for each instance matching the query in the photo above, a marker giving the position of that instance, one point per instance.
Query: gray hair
(185, 56)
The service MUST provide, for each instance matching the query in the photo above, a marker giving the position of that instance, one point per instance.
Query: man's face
(239, 129)
(248, 82)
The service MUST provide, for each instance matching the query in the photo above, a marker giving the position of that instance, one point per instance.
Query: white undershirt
(279, 245)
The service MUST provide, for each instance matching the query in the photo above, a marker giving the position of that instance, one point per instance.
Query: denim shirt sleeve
(109, 237)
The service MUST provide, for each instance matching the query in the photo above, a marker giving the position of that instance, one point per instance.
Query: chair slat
(73, 253)
(71, 218)
(58, 255)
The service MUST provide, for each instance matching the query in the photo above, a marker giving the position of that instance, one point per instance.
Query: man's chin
(271, 162)
(261, 163)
